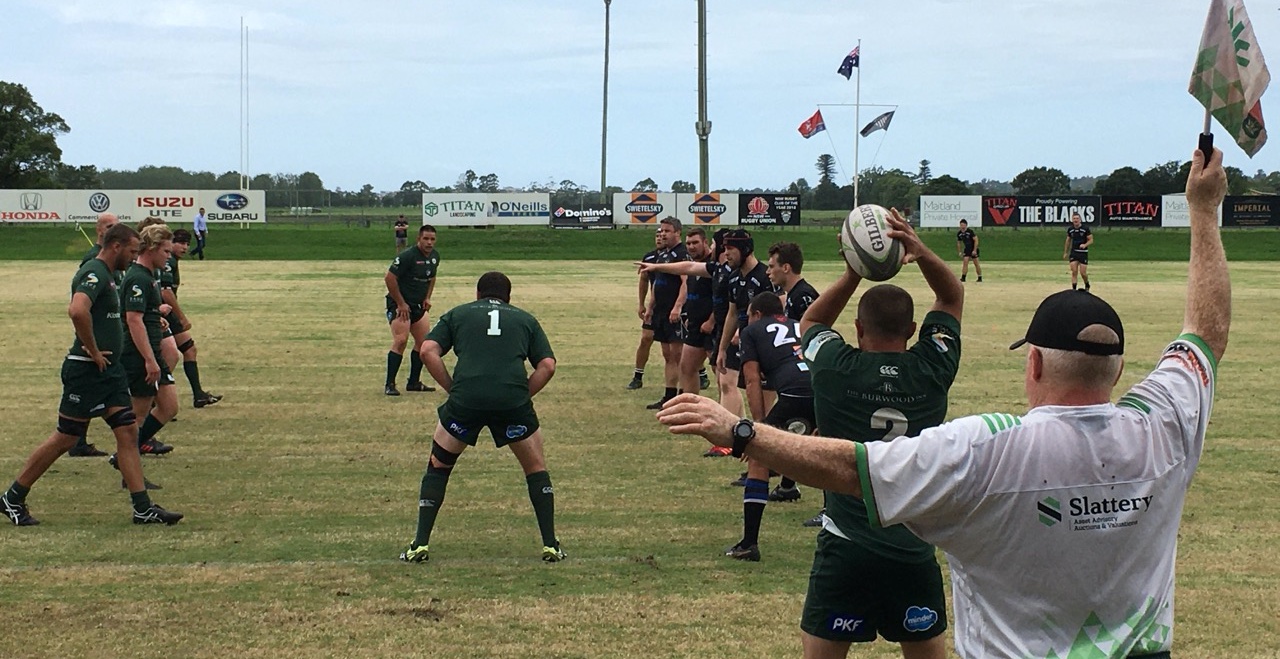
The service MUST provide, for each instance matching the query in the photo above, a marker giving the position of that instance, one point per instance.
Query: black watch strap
(743, 432)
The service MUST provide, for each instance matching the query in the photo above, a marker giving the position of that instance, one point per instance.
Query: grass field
(301, 486)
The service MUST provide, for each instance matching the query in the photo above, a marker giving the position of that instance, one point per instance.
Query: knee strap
(72, 427)
(123, 417)
(187, 345)
(445, 457)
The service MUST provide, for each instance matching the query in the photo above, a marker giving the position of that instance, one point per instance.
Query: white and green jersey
(1061, 526)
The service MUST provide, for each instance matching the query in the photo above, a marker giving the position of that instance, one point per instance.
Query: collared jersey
(141, 293)
(1061, 526)
(966, 238)
(1079, 235)
(493, 341)
(169, 277)
(879, 397)
(720, 275)
(744, 286)
(774, 344)
(699, 295)
(798, 300)
(414, 272)
(96, 280)
(666, 287)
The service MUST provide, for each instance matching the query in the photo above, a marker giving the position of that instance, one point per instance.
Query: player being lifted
(410, 281)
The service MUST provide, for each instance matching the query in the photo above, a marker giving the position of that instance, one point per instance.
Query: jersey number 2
(893, 422)
(494, 330)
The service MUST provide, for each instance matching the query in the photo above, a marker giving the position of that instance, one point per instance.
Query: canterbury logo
(548, 490)
(426, 503)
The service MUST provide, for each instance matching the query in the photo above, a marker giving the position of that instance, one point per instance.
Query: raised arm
(696, 268)
(1208, 314)
(948, 292)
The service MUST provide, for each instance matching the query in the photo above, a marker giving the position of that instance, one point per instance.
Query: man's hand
(644, 268)
(708, 325)
(426, 304)
(153, 370)
(1207, 182)
(640, 310)
(166, 309)
(674, 316)
(100, 358)
(899, 229)
(720, 362)
(646, 316)
(691, 414)
(402, 311)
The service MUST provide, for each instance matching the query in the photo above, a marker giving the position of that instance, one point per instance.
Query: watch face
(742, 430)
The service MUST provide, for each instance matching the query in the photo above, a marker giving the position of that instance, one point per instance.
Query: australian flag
(849, 63)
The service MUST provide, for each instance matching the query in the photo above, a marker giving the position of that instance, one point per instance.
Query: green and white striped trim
(1136, 402)
(998, 422)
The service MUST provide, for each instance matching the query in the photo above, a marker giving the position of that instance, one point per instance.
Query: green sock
(415, 366)
(543, 497)
(141, 501)
(17, 493)
(149, 429)
(430, 498)
(393, 366)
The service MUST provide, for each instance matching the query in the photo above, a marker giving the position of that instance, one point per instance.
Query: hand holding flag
(1230, 74)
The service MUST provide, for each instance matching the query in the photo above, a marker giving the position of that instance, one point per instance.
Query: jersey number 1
(494, 330)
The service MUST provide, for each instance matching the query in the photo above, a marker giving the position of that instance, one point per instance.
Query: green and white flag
(1230, 74)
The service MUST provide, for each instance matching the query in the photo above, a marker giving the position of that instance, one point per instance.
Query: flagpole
(857, 121)
(1206, 138)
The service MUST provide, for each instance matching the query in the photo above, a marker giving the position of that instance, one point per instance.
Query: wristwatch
(743, 432)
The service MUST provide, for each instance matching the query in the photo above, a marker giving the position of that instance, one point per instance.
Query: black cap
(1062, 316)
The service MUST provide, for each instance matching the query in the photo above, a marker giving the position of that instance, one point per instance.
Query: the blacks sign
(1029, 210)
(765, 209)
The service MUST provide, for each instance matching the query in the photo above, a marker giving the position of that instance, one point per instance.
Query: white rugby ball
(866, 245)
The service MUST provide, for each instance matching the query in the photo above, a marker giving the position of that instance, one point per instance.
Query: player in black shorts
(410, 281)
(750, 278)
(786, 261)
(666, 306)
(967, 247)
(642, 311)
(1076, 250)
(770, 350)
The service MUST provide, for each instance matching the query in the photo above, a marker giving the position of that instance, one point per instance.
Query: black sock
(543, 498)
(141, 501)
(754, 497)
(702, 372)
(787, 483)
(17, 493)
(415, 367)
(671, 393)
(1073, 286)
(149, 429)
(193, 378)
(639, 374)
(430, 498)
(82, 442)
(393, 366)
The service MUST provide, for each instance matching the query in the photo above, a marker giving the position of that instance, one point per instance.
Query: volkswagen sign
(99, 202)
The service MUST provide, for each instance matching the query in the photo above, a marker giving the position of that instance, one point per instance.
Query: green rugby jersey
(878, 396)
(169, 277)
(95, 280)
(141, 293)
(93, 254)
(414, 272)
(493, 341)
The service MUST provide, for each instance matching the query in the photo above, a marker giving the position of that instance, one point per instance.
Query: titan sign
(485, 209)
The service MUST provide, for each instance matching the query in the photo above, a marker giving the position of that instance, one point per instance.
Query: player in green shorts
(93, 385)
(489, 387)
(410, 281)
(83, 449)
(149, 378)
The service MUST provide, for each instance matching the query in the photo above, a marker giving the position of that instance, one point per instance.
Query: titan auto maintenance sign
(1131, 211)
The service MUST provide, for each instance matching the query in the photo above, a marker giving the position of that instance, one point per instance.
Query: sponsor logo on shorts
(75, 398)
(98, 407)
(845, 623)
(457, 429)
(919, 618)
(516, 431)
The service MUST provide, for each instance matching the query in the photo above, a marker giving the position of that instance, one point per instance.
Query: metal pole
(857, 126)
(703, 127)
(604, 114)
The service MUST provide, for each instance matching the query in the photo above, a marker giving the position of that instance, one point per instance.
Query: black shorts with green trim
(88, 392)
(136, 372)
(506, 426)
(855, 594)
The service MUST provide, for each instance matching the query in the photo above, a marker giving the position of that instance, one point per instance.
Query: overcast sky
(383, 91)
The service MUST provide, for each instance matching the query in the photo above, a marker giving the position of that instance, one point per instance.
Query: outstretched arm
(947, 290)
(696, 268)
(1208, 314)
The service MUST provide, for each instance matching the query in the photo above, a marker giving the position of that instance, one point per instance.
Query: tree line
(30, 158)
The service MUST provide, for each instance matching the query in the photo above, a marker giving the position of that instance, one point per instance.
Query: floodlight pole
(604, 114)
(703, 127)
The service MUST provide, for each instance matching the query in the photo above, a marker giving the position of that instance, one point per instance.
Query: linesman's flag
(850, 63)
(813, 125)
(879, 123)
(1230, 74)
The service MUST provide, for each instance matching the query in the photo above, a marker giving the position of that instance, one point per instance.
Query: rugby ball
(866, 245)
